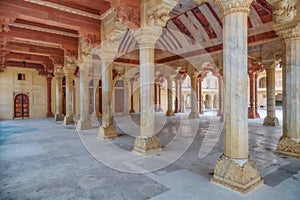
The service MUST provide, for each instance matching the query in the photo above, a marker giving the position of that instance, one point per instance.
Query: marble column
(156, 96)
(220, 82)
(84, 123)
(131, 96)
(170, 98)
(96, 113)
(126, 110)
(256, 98)
(271, 119)
(59, 74)
(178, 98)
(147, 142)
(159, 98)
(289, 143)
(49, 111)
(251, 111)
(200, 98)
(194, 114)
(107, 129)
(235, 168)
(69, 118)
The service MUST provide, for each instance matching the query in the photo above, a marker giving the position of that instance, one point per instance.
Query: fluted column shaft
(220, 84)
(170, 98)
(251, 111)
(194, 103)
(49, 98)
(271, 119)
(200, 98)
(126, 96)
(131, 96)
(59, 100)
(69, 96)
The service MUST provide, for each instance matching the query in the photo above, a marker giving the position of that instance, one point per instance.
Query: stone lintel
(69, 120)
(288, 146)
(271, 121)
(107, 132)
(242, 176)
(146, 145)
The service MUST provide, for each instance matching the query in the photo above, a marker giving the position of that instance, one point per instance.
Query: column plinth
(238, 174)
(146, 145)
(107, 132)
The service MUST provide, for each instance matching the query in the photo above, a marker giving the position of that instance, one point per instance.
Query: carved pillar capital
(228, 7)
(147, 36)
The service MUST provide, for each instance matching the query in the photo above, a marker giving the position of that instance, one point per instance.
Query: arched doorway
(21, 106)
(119, 96)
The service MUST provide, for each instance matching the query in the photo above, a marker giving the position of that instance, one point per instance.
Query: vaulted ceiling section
(43, 32)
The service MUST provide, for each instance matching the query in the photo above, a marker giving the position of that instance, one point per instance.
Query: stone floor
(42, 159)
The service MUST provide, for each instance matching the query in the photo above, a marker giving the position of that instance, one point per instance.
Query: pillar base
(271, 121)
(219, 114)
(107, 132)
(146, 145)
(69, 120)
(84, 124)
(241, 177)
(97, 114)
(194, 115)
(252, 114)
(59, 117)
(50, 114)
(170, 113)
(289, 146)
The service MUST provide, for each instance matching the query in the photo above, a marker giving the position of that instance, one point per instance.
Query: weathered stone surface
(194, 115)
(84, 124)
(243, 176)
(146, 145)
(288, 146)
(271, 121)
(68, 120)
(59, 117)
(107, 132)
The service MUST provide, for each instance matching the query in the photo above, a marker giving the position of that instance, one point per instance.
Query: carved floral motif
(285, 10)
(228, 7)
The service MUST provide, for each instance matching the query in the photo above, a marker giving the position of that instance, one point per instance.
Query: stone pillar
(49, 111)
(107, 129)
(251, 111)
(156, 96)
(126, 96)
(289, 143)
(69, 118)
(96, 113)
(200, 98)
(159, 97)
(131, 96)
(178, 99)
(58, 86)
(147, 142)
(235, 168)
(170, 98)
(194, 114)
(256, 98)
(84, 122)
(271, 119)
(220, 82)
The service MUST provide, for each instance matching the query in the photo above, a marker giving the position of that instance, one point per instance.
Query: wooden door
(21, 105)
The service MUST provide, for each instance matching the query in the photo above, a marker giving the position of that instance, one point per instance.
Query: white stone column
(59, 74)
(84, 122)
(235, 169)
(96, 113)
(69, 71)
(107, 129)
(147, 142)
(289, 143)
(220, 82)
(170, 98)
(271, 119)
(126, 96)
(194, 114)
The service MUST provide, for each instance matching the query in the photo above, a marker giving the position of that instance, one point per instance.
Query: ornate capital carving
(147, 36)
(285, 10)
(231, 6)
(158, 14)
(5, 20)
(288, 30)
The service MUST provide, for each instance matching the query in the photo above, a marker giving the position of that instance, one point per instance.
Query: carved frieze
(228, 7)
(285, 10)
